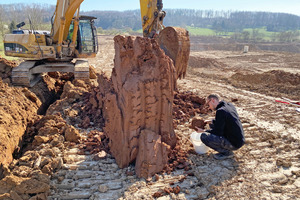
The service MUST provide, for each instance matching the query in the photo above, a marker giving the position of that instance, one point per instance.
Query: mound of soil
(274, 83)
(186, 105)
(18, 109)
(201, 62)
(5, 69)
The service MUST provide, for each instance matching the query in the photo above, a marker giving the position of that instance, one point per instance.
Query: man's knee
(204, 137)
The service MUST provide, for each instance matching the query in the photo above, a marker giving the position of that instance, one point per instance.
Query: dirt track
(267, 167)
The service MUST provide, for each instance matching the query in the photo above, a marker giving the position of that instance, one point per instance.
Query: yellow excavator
(73, 39)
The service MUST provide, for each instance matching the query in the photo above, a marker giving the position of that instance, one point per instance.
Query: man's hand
(199, 130)
(208, 121)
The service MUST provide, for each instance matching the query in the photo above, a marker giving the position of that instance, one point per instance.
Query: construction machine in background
(72, 36)
(73, 39)
(174, 41)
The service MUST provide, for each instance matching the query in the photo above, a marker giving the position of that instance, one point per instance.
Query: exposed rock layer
(18, 108)
(138, 112)
(5, 69)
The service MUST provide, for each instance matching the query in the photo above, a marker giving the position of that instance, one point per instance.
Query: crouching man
(226, 132)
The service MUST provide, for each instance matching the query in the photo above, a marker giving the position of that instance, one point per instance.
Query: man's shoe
(223, 156)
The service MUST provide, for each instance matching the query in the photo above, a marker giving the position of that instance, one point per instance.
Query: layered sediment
(18, 108)
(138, 109)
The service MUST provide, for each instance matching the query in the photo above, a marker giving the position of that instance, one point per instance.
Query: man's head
(212, 101)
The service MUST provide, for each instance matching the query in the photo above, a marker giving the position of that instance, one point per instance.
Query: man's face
(208, 102)
(212, 103)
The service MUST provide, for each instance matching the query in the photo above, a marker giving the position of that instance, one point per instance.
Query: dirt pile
(186, 105)
(138, 112)
(18, 108)
(69, 104)
(33, 140)
(95, 143)
(209, 63)
(5, 69)
(14, 187)
(275, 83)
(45, 141)
(47, 138)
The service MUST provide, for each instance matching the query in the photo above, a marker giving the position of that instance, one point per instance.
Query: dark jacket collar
(221, 104)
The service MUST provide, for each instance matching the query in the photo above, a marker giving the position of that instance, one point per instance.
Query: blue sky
(285, 6)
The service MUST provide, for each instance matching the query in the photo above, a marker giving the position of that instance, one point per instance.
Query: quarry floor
(268, 166)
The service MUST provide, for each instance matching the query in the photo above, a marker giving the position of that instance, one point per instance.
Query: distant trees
(246, 26)
(288, 36)
(39, 15)
(232, 21)
(2, 23)
(12, 26)
(35, 15)
(116, 19)
(255, 36)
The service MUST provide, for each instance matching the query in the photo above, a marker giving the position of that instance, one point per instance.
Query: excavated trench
(137, 103)
(48, 91)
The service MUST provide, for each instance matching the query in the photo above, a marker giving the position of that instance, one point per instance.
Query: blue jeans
(217, 143)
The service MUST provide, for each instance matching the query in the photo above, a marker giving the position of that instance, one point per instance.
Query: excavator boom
(64, 12)
(173, 40)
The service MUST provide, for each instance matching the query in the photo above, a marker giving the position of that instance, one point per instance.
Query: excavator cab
(87, 42)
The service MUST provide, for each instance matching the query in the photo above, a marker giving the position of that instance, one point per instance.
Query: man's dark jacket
(228, 124)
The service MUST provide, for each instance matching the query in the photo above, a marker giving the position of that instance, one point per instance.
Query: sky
(283, 6)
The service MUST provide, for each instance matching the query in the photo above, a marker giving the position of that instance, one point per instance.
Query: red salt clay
(138, 110)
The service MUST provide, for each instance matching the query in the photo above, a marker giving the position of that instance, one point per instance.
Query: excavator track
(175, 42)
(28, 73)
(22, 76)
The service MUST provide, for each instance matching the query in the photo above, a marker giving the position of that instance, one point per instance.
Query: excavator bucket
(175, 42)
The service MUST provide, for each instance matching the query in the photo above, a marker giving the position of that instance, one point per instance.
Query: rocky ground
(66, 140)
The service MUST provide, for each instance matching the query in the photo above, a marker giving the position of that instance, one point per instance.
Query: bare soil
(266, 167)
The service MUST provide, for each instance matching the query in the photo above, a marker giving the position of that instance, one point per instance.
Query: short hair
(213, 96)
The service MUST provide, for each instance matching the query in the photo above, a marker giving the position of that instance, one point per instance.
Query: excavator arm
(63, 15)
(173, 40)
(152, 17)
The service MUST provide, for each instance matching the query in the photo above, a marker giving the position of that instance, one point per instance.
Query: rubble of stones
(78, 110)
(5, 69)
(187, 105)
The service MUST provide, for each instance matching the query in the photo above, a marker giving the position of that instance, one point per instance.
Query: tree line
(228, 21)
(220, 21)
(36, 16)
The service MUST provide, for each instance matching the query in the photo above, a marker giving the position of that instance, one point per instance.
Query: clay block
(16, 111)
(152, 155)
(143, 82)
(197, 122)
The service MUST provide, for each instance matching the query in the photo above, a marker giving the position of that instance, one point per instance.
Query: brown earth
(5, 69)
(271, 154)
(138, 111)
(18, 109)
(267, 167)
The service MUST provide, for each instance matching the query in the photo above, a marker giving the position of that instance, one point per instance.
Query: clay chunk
(197, 122)
(139, 105)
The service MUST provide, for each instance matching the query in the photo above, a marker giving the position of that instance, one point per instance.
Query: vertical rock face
(152, 155)
(18, 108)
(138, 112)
